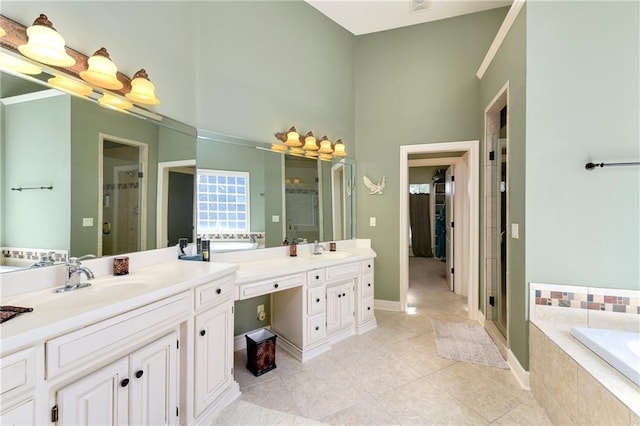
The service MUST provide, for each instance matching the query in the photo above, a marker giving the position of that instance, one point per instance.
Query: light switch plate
(372, 221)
(515, 231)
(87, 222)
(275, 218)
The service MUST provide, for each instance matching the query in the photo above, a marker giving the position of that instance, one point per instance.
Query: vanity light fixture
(325, 157)
(295, 150)
(114, 102)
(70, 86)
(293, 138)
(45, 44)
(310, 142)
(339, 149)
(142, 90)
(278, 147)
(325, 146)
(12, 63)
(102, 71)
(2, 32)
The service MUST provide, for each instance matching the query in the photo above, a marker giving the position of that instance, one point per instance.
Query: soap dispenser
(293, 249)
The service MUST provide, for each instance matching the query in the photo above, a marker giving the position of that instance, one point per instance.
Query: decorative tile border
(233, 237)
(14, 255)
(590, 301)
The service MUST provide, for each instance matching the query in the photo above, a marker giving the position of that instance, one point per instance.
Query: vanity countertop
(253, 270)
(56, 313)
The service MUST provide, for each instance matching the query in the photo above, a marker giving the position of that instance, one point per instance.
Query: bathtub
(619, 348)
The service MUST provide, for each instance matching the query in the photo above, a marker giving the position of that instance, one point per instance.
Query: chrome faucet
(73, 270)
(317, 247)
(252, 238)
(45, 260)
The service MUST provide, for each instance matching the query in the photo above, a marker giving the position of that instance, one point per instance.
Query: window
(223, 202)
(419, 188)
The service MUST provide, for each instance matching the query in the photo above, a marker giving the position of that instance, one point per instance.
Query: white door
(334, 304)
(449, 211)
(214, 357)
(153, 397)
(347, 305)
(100, 398)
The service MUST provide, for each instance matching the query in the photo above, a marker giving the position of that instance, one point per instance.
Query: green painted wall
(414, 85)
(509, 65)
(38, 137)
(583, 104)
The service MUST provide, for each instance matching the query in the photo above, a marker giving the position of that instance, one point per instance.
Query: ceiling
(369, 16)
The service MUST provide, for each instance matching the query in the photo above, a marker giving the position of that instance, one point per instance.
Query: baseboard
(521, 375)
(387, 305)
(240, 342)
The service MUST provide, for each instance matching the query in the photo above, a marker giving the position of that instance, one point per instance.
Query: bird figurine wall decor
(374, 188)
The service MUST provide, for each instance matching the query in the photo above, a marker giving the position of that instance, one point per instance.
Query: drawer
(21, 414)
(367, 285)
(270, 286)
(316, 300)
(17, 371)
(341, 271)
(367, 265)
(316, 328)
(80, 348)
(315, 276)
(367, 308)
(214, 292)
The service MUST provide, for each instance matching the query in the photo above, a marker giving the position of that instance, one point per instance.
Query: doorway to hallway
(467, 151)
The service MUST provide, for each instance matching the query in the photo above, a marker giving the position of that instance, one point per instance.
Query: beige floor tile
(273, 395)
(529, 412)
(368, 412)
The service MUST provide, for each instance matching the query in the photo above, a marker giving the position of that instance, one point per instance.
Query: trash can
(261, 351)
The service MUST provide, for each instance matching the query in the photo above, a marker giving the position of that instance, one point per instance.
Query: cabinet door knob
(218, 291)
(317, 277)
(203, 332)
(318, 300)
(369, 266)
(339, 295)
(317, 328)
(139, 374)
(368, 308)
(369, 285)
(124, 383)
(344, 294)
(276, 285)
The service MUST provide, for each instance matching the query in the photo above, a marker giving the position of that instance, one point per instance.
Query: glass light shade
(311, 154)
(102, 72)
(46, 45)
(2, 32)
(142, 89)
(114, 102)
(293, 138)
(326, 157)
(310, 142)
(279, 147)
(325, 146)
(339, 149)
(11, 63)
(70, 86)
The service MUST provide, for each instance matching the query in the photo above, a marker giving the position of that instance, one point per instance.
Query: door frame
(338, 209)
(162, 202)
(472, 148)
(143, 157)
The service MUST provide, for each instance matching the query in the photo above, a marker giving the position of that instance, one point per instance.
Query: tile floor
(392, 375)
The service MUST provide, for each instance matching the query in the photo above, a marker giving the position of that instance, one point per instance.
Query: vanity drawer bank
(151, 347)
(316, 300)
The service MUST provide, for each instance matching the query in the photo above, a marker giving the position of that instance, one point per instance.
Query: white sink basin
(328, 255)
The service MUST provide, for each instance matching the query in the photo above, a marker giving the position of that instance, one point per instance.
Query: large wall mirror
(288, 197)
(77, 178)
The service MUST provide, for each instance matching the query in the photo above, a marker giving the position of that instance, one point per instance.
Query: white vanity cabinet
(213, 343)
(365, 319)
(141, 388)
(22, 413)
(340, 306)
(17, 399)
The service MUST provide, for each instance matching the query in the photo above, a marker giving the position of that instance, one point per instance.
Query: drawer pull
(344, 294)
(318, 300)
(276, 285)
(369, 285)
(317, 328)
(203, 332)
(339, 295)
(368, 308)
(317, 277)
(369, 265)
(124, 383)
(139, 374)
(218, 291)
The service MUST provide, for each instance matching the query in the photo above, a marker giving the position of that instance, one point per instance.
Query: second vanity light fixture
(308, 145)
(46, 46)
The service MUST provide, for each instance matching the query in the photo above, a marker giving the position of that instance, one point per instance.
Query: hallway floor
(392, 374)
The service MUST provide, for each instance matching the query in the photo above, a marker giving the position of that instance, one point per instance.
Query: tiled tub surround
(573, 384)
